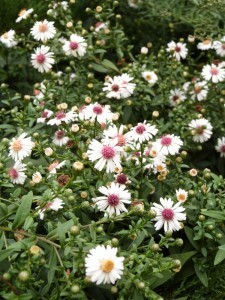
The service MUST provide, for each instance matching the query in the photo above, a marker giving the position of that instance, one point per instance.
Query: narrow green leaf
(23, 210)
(219, 215)
(109, 65)
(220, 256)
(138, 240)
(52, 265)
(190, 235)
(201, 275)
(99, 68)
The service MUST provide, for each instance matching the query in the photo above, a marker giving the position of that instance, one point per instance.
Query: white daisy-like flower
(168, 144)
(113, 133)
(113, 200)
(103, 266)
(177, 50)
(220, 147)
(108, 155)
(142, 132)
(8, 39)
(213, 72)
(168, 215)
(113, 87)
(181, 195)
(128, 86)
(150, 76)
(20, 147)
(219, 46)
(96, 112)
(36, 177)
(200, 91)
(43, 30)
(205, 45)
(61, 116)
(42, 59)
(59, 138)
(16, 173)
(45, 114)
(76, 46)
(157, 160)
(176, 96)
(55, 205)
(23, 14)
(201, 130)
(56, 165)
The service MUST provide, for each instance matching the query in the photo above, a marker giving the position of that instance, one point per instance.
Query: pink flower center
(108, 152)
(48, 205)
(167, 214)
(113, 200)
(121, 178)
(166, 141)
(97, 109)
(177, 49)
(43, 27)
(115, 88)
(13, 173)
(121, 140)
(60, 134)
(223, 46)
(222, 148)
(60, 115)
(140, 129)
(44, 114)
(40, 58)
(214, 71)
(73, 45)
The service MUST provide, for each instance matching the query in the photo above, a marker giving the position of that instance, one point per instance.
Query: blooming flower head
(219, 46)
(213, 72)
(23, 14)
(76, 46)
(168, 215)
(16, 173)
(113, 133)
(113, 200)
(101, 113)
(59, 138)
(103, 266)
(176, 96)
(200, 91)
(53, 167)
(128, 86)
(220, 147)
(142, 132)
(119, 86)
(181, 195)
(20, 147)
(8, 39)
(55, 205)
(150, 76)
(177, 50)
(36, 177)
(61, 116)
(108, 155)
(42, 59)
(205, 45)
(168, 144)
(43, 30)
(45, 114)
(201, 130)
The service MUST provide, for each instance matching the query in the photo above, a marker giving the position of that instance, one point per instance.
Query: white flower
(16, 173)
(76, 46)
(61, 116)
(167, 215)
(142, 132)
(8, 38)
(42, 59)
(181, 195)
(200, 91)
(201, 130)
(220, 147)
(48, 151)
(23, 14)
(103, 266)
(36, 177)
(99, 26)
(59, 138)
(119, 86)
(20, 147)
(55, 205)
(128, 86)
(43, 31)
(113, 133)
(113, 200)
(177, 50)
(213, 72)
(150, 76)
(144, 50)
(205, 45)
(219, 46)
(45, 114)
(53, 167)
(168, 144)
(107, 155)
(102, 114)
(176, 96)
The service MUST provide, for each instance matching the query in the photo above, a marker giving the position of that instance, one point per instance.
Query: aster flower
(20, 147)
(55, 205)
(201, 130)
(103, 266)
(142, 132)
(200, 91)
(16, 173)
(113, 200)
(56, 165)
(96, 112)
(108, 155)
(168, 215)
(61, 116)
(219, 46)
(59, 138)
(128, 86)
(76, 46)
(42, 59)
(8, 39)
(181, 195)
(23, 14)
(213, 72)
(119, 86)
(220, 147)
(168, 144)
(177, 50)
(113, 133)
(176, 96)
(205, 45)
(150, 76)
(43, 31)
(157, 160)
(36, 177)
(45, 114)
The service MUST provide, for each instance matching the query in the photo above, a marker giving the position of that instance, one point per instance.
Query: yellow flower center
(107, 265)
(16, 145)
(148, 77)
(206, 42)
(43, 27)
(5, 35)
(22, 12)
(181, 197)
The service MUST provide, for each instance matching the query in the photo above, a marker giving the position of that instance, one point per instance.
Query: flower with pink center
(213, 72)
(42, 59)
(55, 205)
(168, 144)
(220, 147)
(177, 50)
(108, 155)
(16, 173)
(122, 179)
(61, 116)
(76, 46)
(113, 133)
(43, 31)
(96, 112)
(201, 130)
(20, 147)
(45, 114)
(113, 200)
(168, 215)
(59, 138)
(142, 132)
(119, 86)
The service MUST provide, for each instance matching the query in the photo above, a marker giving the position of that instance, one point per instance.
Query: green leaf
(23, 210)
(109, 65)
(99, 68)
(220, 256)
(138, 240)
(201, 275)
(219, 215)
(190, 235)
(52, 265)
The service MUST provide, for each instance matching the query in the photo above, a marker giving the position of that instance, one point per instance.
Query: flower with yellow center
(23, 14)
(20, 147)
(181, 195)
